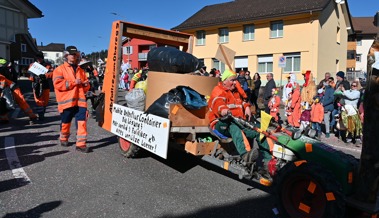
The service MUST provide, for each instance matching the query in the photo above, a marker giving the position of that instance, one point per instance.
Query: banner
(38, 69)
(145, 130)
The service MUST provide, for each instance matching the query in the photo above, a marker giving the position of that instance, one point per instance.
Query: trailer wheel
(308, 190)
(128, 149)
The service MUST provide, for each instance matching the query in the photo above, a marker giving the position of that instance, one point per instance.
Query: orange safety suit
(222, 98)
(18, 97)
(274, 104)
(317, 113)
(42, 99)
(71, 96)
(295, 108)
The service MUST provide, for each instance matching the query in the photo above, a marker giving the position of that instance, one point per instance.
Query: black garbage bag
(161, 106)
(184, 95)
(172, 60)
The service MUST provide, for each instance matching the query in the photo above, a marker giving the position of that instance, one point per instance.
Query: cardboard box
(159, 83)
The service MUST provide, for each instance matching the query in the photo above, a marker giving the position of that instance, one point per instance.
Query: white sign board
(282, 61)
(145, 130)
(37, 69)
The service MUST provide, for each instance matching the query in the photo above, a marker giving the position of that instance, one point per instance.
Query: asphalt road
(39, 178)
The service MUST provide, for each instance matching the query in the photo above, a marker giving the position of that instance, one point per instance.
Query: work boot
(63, 143)
(41, 116)
(83, 149)
(32, 121)
(250, 156)
(4, 121)
(263, 171)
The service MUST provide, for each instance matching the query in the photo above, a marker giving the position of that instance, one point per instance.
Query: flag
(265, 121)
(225, 55)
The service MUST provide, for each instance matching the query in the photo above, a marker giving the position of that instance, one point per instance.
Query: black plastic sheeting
(172, 60)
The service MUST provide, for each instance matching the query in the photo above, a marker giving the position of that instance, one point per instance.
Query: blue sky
(87, 24)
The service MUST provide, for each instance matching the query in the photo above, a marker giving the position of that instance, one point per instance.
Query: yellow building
(310, 34)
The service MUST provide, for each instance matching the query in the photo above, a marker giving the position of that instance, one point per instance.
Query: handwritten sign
(38, 69)
(145, 130)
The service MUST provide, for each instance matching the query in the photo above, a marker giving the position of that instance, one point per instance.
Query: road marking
(13, 161)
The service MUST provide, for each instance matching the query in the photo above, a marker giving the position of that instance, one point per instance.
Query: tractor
(308, 177)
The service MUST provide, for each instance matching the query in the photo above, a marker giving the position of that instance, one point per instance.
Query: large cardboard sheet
(159, 83)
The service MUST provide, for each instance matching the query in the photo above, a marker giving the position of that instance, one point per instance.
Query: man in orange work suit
(18, 97)
(226, 98)
(41, 88)
(71, 85)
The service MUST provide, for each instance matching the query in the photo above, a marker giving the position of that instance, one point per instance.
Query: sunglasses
(353, 85)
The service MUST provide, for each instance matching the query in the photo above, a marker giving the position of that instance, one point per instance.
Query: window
(358, 58)
(359, 42)
(127, 50)
(350, 54)
(248, 32)
(223, 35)
(265, 64)
(57, 55)
(200, 37)
(23, 48)
(338, 35)
(218, 65)
(292, 62)
(201, 62)
(26, 61)
(276, 29)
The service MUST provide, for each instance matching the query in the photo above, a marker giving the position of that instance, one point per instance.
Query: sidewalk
(333, 140)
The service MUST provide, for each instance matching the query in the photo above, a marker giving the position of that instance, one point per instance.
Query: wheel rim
(124, 144)
(302, 196)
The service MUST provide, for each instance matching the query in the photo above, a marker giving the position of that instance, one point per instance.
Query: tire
(308, 190)
(128, 149)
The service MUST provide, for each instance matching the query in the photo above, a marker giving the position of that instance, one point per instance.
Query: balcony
(142, 56)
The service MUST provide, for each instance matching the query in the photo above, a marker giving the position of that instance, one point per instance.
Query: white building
(14, 15)
(365, 31)
(53, 52)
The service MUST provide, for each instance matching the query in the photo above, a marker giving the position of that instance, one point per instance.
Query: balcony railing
(142, 56)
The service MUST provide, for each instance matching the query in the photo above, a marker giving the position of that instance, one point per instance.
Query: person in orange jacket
(18, 97)
(71, 85)
(294, 110)
(274, 104)
(40, 84)
(317, 115)
(226, 98)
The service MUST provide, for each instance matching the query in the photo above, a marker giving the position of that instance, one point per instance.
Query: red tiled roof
(249, 10)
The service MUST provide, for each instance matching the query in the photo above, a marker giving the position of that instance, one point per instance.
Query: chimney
(376, 19)
(41, 44)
